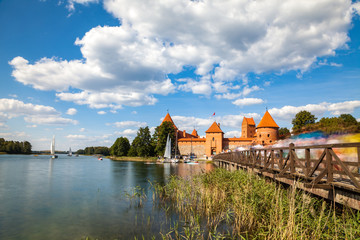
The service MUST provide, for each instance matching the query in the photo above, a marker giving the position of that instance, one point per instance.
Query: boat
(70, 153)
(100, 158)
(52, 149)
(167, 154)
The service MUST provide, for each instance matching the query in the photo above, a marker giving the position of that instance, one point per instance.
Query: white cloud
(3, 125)
(31, 126)
(101, 112)
(289, 112)
(71, 111)
(129, 133)
(196, 87)
(247, 101)
(76, 137)
(37, 114)
(232, 134)
(343, 107)
(82, 129)
(71, 3)
(50, 120)
(13, 95)
(245, 91)
(15, 136)
(222, 41)
(125, 124)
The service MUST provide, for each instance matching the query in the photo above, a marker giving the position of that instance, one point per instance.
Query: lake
(75, 197)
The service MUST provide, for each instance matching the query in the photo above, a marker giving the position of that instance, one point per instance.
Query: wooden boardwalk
(330, 171)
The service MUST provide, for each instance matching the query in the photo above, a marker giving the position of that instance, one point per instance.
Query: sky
(89, 71)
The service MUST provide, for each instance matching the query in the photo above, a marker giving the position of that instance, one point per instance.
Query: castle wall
(233, 143)
(198, 147)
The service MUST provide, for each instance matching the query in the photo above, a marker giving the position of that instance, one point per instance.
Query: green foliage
(15, 147)
(160, 136)
(80, 151)
(142, 145)
(302, 119)
(239, 205)
(121, 147)
(284, 133)
(97, 150)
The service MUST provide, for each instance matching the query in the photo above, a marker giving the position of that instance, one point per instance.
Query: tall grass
(239, 205)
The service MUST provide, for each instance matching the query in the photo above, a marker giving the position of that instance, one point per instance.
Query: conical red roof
(214, 128)
(167, 118)
(194, 133)
(267, 121)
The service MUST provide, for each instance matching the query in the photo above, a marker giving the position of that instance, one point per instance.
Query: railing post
(358, 154)
(292, 159)
(330, 177)
(307, 162)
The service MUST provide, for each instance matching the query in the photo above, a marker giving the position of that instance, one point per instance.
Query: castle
(265, 133)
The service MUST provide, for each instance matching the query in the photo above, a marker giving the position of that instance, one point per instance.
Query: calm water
(75, 197)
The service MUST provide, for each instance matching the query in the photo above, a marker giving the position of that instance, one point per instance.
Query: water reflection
(70, 198)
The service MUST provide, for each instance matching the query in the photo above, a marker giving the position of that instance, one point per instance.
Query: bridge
(330, 171)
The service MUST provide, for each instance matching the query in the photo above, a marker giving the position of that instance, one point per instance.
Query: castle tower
(214, 139)
(248, 128)
(267, 132)
(167, 118)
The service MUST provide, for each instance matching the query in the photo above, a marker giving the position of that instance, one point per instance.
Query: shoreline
(133, 159)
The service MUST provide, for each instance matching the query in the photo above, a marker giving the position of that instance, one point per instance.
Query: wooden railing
(317, 166)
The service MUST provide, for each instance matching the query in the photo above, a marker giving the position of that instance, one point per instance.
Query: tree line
(145, 144)
(304, 121)
(105, 151)
(15, 147)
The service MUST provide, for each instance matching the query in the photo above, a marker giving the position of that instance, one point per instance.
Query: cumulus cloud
(37, 114)
(289, 112)
(101, 112)
(231, 134)
(125, 124)
(128, 133)
(76, 137)
(71, 111)
(245, 91)
(247, 101)
(221, 41)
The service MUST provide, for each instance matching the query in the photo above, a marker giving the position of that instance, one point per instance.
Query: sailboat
(167, 154)
(70, 153)
(52, 148)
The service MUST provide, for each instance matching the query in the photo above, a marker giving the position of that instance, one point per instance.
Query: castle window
(270, 141)
(268, 135)
(213, 139)
(260, 135)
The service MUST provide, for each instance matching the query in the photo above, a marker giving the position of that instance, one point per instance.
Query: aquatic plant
(239, 205)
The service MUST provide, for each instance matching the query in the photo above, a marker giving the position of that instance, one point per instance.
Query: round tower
(267, 132)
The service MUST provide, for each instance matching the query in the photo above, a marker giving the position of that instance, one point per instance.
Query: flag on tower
(213, 114)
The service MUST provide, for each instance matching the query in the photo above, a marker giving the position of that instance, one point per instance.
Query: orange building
(266, 133)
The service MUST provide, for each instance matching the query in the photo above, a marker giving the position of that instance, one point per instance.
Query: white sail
(52, 147)
(70, 152)
(168, 147)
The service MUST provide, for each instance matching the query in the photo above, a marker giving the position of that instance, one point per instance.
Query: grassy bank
(238, 205)
(134, 159)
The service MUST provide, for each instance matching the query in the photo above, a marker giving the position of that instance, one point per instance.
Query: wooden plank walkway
(330, 171)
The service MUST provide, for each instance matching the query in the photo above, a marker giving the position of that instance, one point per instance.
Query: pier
(330, 171)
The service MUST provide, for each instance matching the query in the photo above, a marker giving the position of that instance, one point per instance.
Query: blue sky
(89, 71)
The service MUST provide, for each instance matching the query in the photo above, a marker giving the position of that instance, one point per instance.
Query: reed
(239, 205)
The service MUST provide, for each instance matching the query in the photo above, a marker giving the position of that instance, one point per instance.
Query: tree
(348, 120)
(284, 133)
(120, 147)
(302, 119)
(142, 145)
(160, 136)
